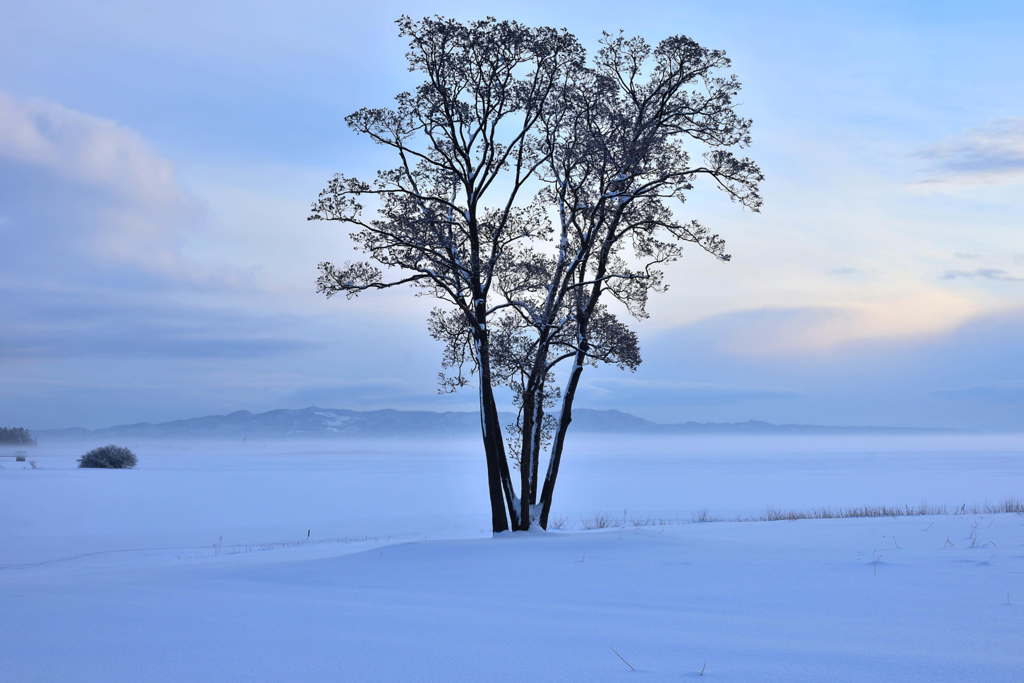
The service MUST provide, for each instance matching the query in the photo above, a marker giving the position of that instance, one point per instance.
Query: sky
(157, 162)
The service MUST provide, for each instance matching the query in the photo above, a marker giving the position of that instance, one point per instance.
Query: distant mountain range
(328, 422)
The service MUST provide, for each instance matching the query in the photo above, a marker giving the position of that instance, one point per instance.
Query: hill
(332, 422)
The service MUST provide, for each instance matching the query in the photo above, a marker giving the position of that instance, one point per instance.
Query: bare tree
(529, 186)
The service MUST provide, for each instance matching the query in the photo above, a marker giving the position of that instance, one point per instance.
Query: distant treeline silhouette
(16, 435)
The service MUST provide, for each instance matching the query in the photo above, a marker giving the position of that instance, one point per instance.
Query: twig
(631, 667)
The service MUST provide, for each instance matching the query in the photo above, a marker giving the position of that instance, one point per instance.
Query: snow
(333, 421)
(197, 566)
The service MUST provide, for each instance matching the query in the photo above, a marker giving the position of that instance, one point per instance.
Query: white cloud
(996, 274)
(93, 193)
(824, 329)
(992, 155)
(85, 148)
(97, 197)
(916, 311)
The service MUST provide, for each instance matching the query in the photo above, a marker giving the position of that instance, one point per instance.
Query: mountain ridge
(339, 422)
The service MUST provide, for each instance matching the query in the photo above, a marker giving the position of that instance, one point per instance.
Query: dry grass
(703, 516)
(558, 523)
(601, 522)
(1011, 505)
(654, 521)
(775, 515)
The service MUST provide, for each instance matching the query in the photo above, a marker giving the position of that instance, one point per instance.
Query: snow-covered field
(198, 566)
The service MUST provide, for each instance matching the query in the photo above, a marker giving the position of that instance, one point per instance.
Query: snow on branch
(354, 278)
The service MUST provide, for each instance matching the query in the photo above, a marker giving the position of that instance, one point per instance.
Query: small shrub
(109, 457)
(601, 522)
(658, 521)
(703, 516)
(1013, 505)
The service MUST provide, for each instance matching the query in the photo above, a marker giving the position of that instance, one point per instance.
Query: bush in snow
(109, 457)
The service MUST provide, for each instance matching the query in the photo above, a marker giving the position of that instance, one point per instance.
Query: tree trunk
(526, 456)
(548, 492)
(499, 479)
(533, 424)
(499, 521)
(584, 313)
(498, 462)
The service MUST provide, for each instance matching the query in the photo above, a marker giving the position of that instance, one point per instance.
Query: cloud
(992, 155)
(997, 274)
(114, 279)
(846, 271)
(88, 193)
(85, 148)
(996, 394)
(65, 324)
(781, 330)
(619, 392)
(879, 380)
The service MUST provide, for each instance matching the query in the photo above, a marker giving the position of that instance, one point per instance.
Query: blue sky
(157, 162)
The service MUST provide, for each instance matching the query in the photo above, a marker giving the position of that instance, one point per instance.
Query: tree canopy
(536, 197)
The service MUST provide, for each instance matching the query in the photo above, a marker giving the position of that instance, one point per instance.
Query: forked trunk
(548, 492)
(528, 460)
(499, 479)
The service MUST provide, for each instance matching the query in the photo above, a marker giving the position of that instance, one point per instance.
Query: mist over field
(195, 492)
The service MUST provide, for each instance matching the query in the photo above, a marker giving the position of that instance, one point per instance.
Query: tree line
(16, 435)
